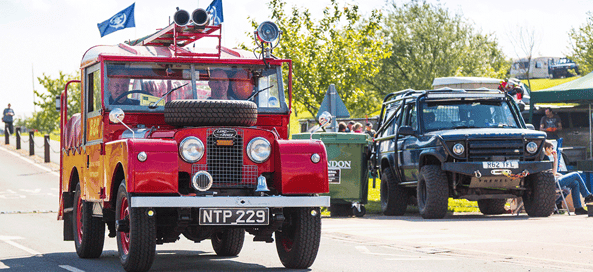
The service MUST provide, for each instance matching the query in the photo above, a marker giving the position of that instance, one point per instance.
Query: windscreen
(443, 115)
(148, 86)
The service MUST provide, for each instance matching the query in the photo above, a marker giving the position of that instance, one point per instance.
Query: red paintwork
(297, 174)
(158, 174)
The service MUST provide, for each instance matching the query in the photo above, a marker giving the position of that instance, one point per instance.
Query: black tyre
(539, 199)
(228, 242)
(136, 243)
(492, 206)
(89, 231)
(297, 242)
(360, 213)
(394, 198)
(210, 113)
(433, 192)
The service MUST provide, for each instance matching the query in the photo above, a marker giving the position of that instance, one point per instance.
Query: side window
(412, 117)
(94, 91)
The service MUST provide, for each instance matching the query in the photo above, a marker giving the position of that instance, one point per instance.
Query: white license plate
(501, 164)
(234, 216)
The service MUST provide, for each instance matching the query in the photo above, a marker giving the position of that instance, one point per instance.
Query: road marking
(30, 161)
(70, 268)
(8, 240)
(3, 266)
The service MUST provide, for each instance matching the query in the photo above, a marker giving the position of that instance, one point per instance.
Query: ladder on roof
(176, 37)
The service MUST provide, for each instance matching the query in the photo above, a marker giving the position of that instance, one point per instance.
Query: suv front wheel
(433, 192)
(540, 195)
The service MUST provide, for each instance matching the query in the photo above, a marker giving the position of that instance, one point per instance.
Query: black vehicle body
(414, 149)
(561, 68)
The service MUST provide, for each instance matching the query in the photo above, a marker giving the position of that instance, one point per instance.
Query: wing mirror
(405, 131)
(117, 116)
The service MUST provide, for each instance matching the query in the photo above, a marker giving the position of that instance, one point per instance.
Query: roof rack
(176, 37)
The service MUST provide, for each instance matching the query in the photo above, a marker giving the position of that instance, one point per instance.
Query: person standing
(551, 124)
(7, 119)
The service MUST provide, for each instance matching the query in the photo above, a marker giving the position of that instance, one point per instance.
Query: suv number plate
(234, 216)
(501, 164)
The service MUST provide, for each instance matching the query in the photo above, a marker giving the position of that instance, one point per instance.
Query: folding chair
(562, 194)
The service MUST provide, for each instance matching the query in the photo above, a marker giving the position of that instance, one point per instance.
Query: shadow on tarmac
(165, 260)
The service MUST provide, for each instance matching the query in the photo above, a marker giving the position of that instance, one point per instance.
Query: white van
(539, 67)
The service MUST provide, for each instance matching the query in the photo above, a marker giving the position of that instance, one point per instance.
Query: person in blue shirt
(571, 180)
(7, 119)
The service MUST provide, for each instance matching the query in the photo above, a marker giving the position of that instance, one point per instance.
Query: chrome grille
(495, 150)
(225, 163)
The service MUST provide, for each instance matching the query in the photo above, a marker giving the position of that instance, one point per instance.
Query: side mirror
(530, 126)
(324, 120)
(116, 116)
(58, 102)
(405, 131)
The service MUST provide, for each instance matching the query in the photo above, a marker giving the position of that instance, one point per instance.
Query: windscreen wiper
(154, 105)
(256, 93)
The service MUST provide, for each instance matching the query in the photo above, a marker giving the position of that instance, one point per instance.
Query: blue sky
(51, 36)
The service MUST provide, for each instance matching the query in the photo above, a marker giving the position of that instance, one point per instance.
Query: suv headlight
(191, 149)
(531, 147)
(458, 149)
(259, 149)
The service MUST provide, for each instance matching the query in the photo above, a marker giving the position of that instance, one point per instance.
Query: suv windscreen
(136, 86)
(467, 114)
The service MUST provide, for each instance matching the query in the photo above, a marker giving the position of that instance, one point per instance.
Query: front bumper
(470, 168)
(228, 202)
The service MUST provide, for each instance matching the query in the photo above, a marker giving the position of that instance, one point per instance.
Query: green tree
(47, 119)
(582, 45)
(428, 42)
(342, 48)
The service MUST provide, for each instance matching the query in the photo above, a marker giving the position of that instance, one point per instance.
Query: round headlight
(191, 149)
(259, 149)
(531, 147)
(458, 149)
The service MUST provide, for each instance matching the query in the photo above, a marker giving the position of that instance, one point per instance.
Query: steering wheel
(129, 92)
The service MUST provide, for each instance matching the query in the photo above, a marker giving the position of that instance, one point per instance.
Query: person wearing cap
(551, 124)
(369, 130)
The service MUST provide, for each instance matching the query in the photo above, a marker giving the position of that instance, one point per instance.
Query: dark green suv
(470, 144)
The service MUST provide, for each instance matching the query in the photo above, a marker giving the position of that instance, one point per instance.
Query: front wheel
(136, 236)
(89, 231)
(297, 242)
(228, 242)
(540, 197)
(433, 192)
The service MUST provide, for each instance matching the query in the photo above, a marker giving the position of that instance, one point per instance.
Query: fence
(45, 145)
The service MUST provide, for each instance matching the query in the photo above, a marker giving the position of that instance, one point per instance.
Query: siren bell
(181, 17)
(200, 17)
(262, 185)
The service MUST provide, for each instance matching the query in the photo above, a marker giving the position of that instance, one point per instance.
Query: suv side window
(411, 116)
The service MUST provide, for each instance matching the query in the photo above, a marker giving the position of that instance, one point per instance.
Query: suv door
(407, 146)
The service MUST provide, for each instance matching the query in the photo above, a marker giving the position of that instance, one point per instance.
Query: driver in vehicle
(117, 88)
(219, 85)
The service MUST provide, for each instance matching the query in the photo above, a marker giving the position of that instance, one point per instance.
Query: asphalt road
(31, 238)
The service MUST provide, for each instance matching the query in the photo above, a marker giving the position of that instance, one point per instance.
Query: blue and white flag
(119, 21)
(215, 9)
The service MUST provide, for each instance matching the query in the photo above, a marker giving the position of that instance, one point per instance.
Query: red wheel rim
(79, 226)
(124, 213)
(287, 244)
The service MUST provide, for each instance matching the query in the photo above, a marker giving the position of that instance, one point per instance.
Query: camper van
(538, 68)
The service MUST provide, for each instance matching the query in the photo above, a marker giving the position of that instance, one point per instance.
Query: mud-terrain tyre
(228, 242)
(394, 198)
(89, 231)
(492, 206)
(539, 199)
(297, 241)
(433, 192)
(210, 113)
(137, 245)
